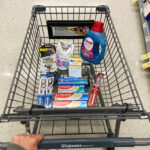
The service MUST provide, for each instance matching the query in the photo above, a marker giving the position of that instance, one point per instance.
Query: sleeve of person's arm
(14, 147)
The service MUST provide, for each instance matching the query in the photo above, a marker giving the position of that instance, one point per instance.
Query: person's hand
(28, 141)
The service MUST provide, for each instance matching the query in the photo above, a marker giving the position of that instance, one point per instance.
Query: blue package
(146, 8)
(66, 64)
(149, 24)
(72, 81)
(47, 75)
(41, 99)
(48, 101)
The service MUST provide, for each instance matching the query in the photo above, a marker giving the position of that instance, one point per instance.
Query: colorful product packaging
(48, 100)
(45, 90)
(73, 81)
(95, 90)
(71, 96)
(75, 66)
(69, 104)
(41, 99)
(70, 88)
(64, 51)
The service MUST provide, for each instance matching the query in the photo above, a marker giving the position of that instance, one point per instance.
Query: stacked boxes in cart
(71, 91)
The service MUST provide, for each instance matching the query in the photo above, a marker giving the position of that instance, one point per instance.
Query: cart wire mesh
(118, 87)
(72, 127)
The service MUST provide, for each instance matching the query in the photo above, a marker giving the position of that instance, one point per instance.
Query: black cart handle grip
(89, 143)
(103, 8)
(3, 145)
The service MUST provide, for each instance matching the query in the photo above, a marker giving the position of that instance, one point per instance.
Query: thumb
(39, 137)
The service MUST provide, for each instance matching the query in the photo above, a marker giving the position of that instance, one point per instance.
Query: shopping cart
(74, 128)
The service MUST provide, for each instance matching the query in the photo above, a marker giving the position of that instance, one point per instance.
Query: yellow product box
(146, 65)
(145, 57)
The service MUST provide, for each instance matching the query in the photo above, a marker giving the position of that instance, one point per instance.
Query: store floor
(14, 18)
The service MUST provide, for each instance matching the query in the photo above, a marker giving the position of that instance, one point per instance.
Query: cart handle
(104, 8)
(89, 143)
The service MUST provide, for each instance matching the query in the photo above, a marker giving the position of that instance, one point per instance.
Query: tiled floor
(14, 18)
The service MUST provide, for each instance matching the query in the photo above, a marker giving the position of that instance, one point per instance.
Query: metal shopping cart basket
(74, 128)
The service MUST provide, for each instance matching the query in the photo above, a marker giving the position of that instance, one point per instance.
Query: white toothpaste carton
(71, 88)
(71, 96)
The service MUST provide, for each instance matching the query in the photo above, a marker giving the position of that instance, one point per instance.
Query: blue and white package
(72, 81)
(146, 8)
(41, 99)
(47, 75)
(48, 101)
(45, 90)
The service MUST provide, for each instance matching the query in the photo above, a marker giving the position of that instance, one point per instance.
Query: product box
(71, 96)
(75, 66)
(72, 81)
(69, 104)
(70, 88)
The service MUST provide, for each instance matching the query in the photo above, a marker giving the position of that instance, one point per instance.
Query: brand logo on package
(71, 145)
(65, 80)
(63, 95)
(88, 43)
(65, 86)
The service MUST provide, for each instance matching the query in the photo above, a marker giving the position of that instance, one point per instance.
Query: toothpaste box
(70, 88)
(69, 104)
(72, 81)
(71, 96)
